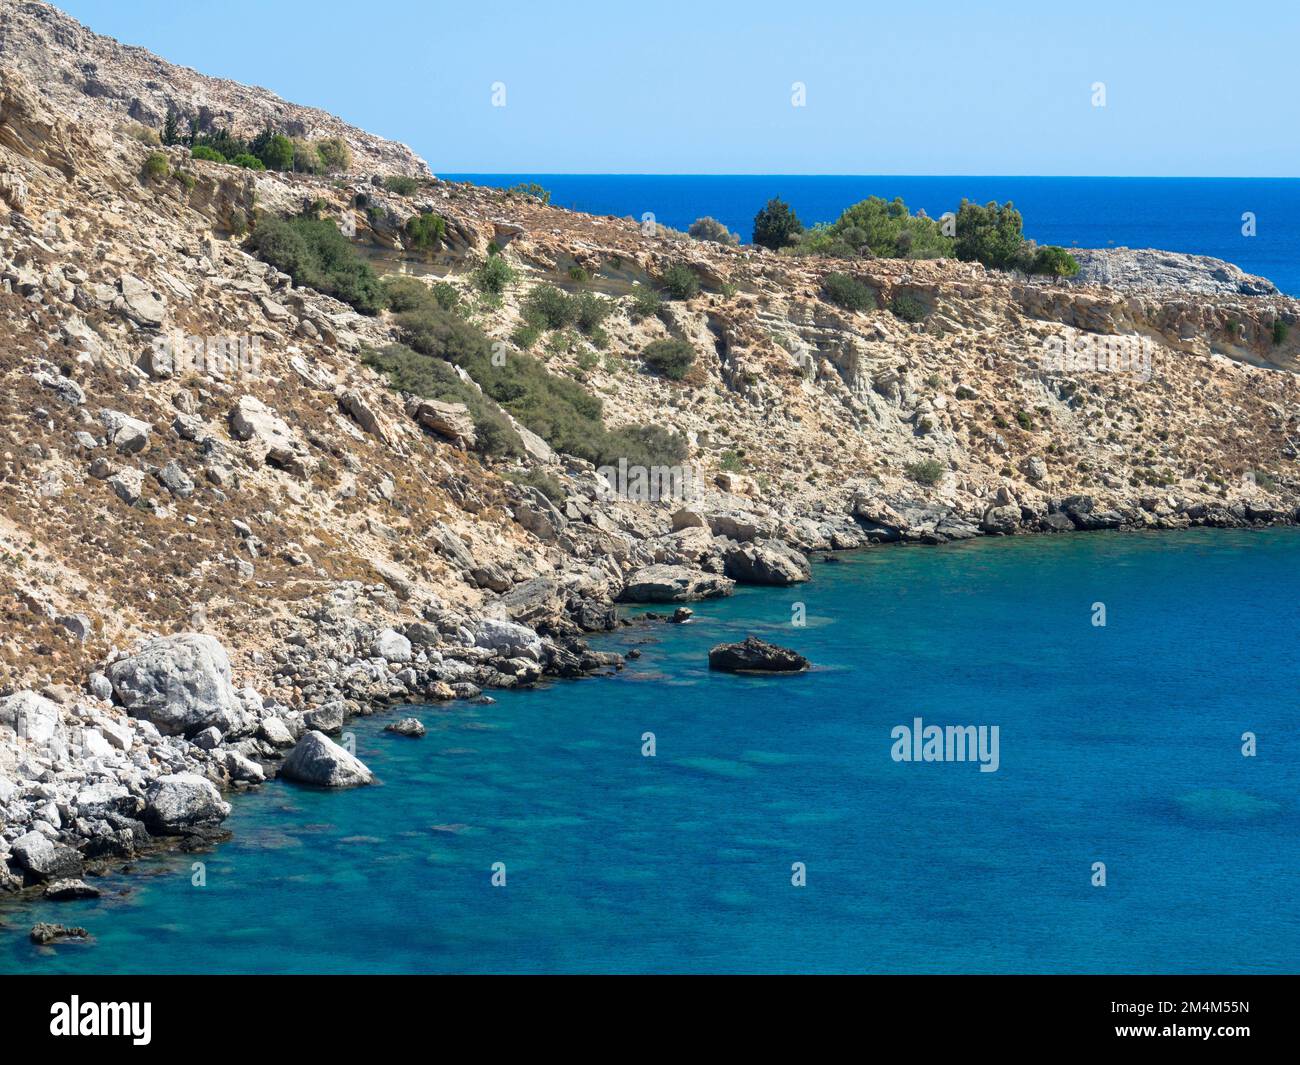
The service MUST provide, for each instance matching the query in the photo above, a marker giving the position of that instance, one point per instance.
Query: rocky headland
(208, 568)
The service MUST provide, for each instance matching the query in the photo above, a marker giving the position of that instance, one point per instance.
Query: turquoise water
(1201, 216)
(1118, 744)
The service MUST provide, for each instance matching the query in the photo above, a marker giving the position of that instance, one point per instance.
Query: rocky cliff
(213, 554)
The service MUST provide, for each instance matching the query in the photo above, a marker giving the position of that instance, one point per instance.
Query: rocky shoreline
(212, 562)
(142, 761)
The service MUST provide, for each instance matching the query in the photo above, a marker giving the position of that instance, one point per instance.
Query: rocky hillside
(92, 79)
(223, 532)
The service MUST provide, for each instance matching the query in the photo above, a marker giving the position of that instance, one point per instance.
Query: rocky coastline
(208, 571)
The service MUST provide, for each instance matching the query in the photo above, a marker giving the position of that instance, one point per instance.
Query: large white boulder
(181, 802)
(32, 716)
(179, 683)
(318, 760)
(508, 639)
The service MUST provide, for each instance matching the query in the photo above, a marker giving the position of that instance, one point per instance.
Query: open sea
(1119, 745)
(1202, 216)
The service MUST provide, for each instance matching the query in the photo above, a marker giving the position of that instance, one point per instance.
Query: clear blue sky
(931, 87)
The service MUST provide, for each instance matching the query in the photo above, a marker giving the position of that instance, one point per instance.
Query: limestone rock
(317, 760)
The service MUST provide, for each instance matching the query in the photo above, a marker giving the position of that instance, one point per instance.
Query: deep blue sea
(1118, 744)
(1198, 215)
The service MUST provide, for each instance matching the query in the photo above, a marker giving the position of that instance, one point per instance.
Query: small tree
(274, 149)
(669, 358)
(707, 228)
(848, 292)
(680, 282)
(991, 234)
(171, 131)
(156, 167)
(1054, 261)
(335, 154)
(425, 231)
(776, 225)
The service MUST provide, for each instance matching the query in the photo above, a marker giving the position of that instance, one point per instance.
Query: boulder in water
(755, 656)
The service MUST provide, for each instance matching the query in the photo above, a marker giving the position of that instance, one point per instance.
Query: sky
(708, 86)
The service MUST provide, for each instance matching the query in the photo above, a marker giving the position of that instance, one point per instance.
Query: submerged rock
(318, 760)
(45, 934)
(755, 656)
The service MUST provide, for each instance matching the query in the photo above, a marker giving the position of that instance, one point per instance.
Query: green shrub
(908, 308)
(848, 292)
(274, 149)
(306, 157)
(645, 303)
(409, 293)
(579, 275)
(1280, 331)
(202, 151)
(493, 276)
(335, 154)
(548, 308)
(401, 185)
(248, 162)
(425, 232)
(669, 358)
(680, 282)
(1055, 262)
(221, 141)
(776, 225)
(991, 234)
(707, 228)
(888, 230)
(963, 392)
(589, 311)
(434, 378)
(314, 253)
(1024, 420)
(156, 167)
(641, 445)
(732, 461)
(532, 190)
(927, 471)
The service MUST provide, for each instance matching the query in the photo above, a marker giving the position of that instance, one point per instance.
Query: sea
(1143, 815)
(1201, 216)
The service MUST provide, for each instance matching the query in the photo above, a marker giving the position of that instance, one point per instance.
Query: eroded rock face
(179, 683)
(674, 584)
(32, 716)
(451, 421)
(179, 803)
(318, 760)
(755, 656)
(766, 562)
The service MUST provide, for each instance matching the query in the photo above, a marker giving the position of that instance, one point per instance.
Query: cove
(1127, 750)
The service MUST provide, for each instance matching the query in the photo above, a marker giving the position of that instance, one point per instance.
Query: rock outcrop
(755, 656)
